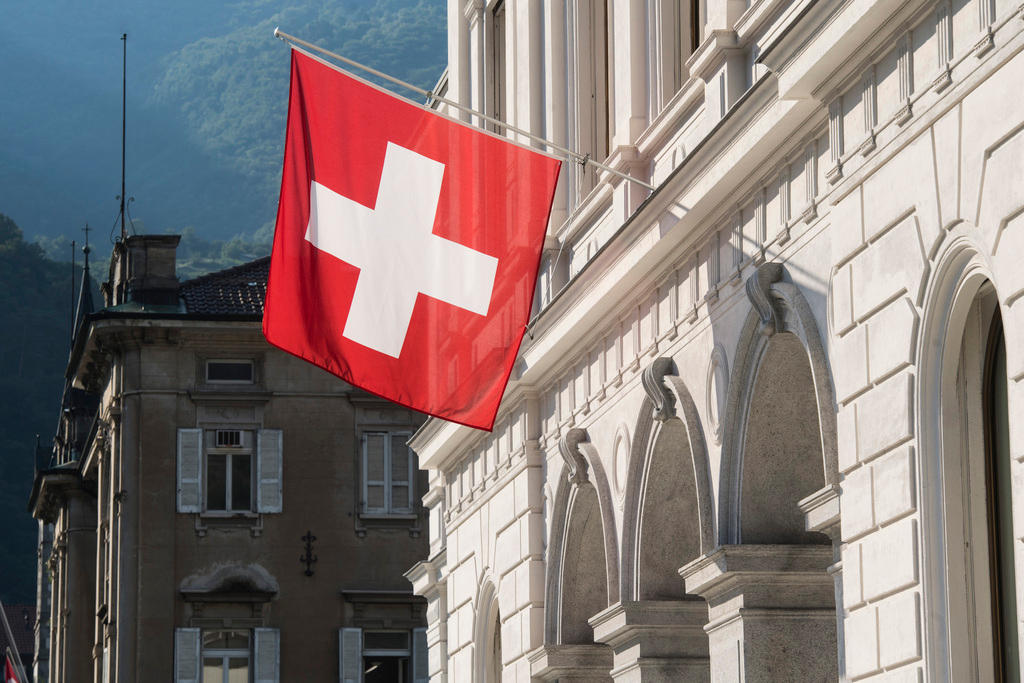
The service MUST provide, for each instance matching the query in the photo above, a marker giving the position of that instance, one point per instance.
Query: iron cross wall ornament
(309, 558)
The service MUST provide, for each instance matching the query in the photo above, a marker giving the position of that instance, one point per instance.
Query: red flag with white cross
(407, 246)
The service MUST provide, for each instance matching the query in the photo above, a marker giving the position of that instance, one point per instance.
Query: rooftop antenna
(124, 82)
(71, 315)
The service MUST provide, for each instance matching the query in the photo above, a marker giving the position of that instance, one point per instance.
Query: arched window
(977, 492)
(494, 650)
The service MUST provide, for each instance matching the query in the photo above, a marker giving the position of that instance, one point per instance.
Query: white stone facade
(758, 430)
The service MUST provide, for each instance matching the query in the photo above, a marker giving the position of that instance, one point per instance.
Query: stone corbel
(759, 292)
(653, 379)
(569, 447)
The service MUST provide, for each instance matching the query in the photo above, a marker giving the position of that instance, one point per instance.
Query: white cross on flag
(407, 246)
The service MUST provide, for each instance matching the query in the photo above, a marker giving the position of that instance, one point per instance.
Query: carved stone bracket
(759, 292)
(569, 447)
(653, 379)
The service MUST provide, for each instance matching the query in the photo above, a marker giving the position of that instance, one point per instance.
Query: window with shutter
(186, 655)
(190, 469)
(387, 473)
(267, 655)
(350, 655)
(374, 472)
(270, 465)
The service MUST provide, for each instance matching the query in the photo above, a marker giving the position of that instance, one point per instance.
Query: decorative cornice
(569, 447)
(759, 292)
(653, 379)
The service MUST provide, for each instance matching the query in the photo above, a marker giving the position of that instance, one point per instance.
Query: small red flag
(9, 675)
(407, 246)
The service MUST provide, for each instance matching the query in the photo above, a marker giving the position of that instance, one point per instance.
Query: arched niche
(779, 441)
(584, 590)
(668, 505)
(582, 555)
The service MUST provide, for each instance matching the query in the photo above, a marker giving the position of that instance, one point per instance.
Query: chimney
(142, 271)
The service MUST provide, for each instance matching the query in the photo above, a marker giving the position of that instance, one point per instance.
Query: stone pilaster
(766, 603)
(655, 640)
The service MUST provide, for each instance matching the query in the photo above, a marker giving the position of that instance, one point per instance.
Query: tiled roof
(24, 633)
(234, 291)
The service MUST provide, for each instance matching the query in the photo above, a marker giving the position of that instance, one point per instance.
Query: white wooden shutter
(267, 655)
(375, 493)
(186, 655)
(420, 660)
(190, 470)
(269, 466)
(350, 655)
(401, 474)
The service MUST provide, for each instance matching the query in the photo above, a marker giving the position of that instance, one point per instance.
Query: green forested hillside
(35, 299)
(207, 97)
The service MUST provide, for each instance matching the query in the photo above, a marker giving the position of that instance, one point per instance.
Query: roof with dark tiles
(240, 290)
(22, 619)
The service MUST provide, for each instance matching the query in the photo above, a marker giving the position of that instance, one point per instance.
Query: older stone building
(759, 428)
(220, 510)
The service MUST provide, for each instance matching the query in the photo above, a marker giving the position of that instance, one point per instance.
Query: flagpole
(10, 644)
(582, 159)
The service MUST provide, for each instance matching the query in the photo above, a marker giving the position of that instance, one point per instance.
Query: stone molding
(653, 380)
(571, 663)
(759, 292)
(569, 449)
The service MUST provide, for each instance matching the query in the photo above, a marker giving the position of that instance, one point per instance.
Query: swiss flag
(9, 675)
(407, 246)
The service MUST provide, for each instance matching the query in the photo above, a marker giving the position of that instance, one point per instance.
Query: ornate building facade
(760, 428)
(215, 509)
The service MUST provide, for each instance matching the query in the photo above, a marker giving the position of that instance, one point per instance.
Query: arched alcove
(669, 533)
(584, 590)
(668, 503)
(782, 453)
(779, 441)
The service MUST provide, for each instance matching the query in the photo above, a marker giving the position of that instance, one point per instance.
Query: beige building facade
(220, 510)
(765, 424)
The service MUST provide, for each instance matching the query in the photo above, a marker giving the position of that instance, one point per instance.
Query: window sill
(388, 515)
(228, 522)
(366, 521)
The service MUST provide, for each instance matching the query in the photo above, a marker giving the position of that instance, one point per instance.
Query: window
(977, 482)
(225, 657)
(229, 371)
(383, 656)
(229, 470)
(387, 473)
(496, 76)
(386, 656)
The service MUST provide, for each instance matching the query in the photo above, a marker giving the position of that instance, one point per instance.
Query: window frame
(228, 452)
(388, 509)
(235, 382)
(396, 653)
(225, 653)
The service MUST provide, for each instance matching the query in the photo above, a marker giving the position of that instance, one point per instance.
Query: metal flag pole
(568, 154)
